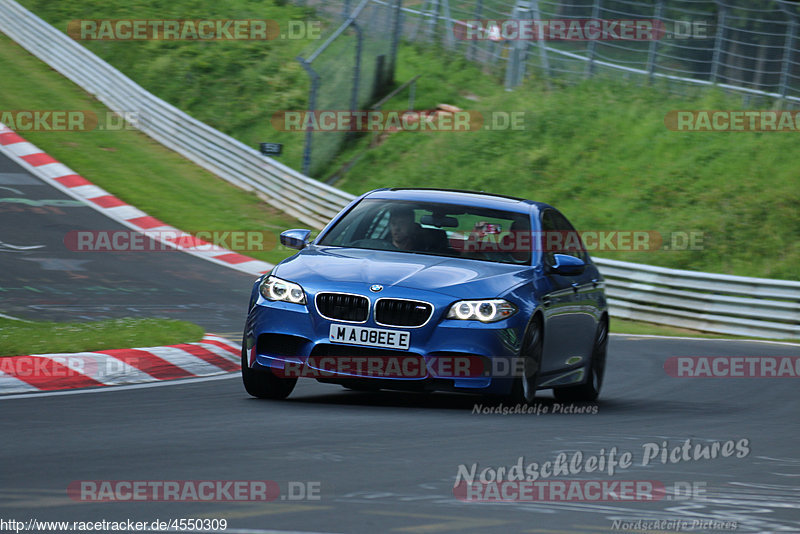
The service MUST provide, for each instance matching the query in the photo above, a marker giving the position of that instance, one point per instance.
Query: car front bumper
(444, 354)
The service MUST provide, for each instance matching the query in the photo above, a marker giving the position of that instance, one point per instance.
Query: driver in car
(404, 232)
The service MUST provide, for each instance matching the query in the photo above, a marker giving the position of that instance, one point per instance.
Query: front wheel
(591, 389)
(523, 389)
(264, 384)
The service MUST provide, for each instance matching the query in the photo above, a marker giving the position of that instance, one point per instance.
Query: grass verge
(34, 337)
(625, 326)
(601, 153)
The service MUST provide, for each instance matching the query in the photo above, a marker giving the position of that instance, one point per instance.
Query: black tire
(264, 384)
(523, 389)
(590, 390)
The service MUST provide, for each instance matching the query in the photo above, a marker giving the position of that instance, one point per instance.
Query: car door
(570, 307)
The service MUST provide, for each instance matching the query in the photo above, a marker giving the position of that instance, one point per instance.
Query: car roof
(457, 196)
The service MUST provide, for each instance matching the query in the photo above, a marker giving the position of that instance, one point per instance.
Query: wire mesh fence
(751, 47)
(352, 68)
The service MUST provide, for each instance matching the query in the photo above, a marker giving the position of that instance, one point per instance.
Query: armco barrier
(719, 303)
(701, 301)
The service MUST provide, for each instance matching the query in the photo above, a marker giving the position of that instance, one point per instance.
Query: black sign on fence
(271, 149)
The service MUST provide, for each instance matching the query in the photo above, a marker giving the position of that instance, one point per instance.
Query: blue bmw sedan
(432, 290)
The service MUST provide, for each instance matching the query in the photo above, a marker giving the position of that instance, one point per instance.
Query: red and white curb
(213, 355)
(65, 179)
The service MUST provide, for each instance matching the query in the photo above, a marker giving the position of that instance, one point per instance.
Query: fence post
(718, 43)
(513, 58)
(537, 15)
(433, 21)
(420, 21)
(473, 43)
(524, 48)
(651, 54)
(449, 33)
(356, 72)
(397, 30)
(788, 48)
(593, 43)
(515, 69)
(312, 104)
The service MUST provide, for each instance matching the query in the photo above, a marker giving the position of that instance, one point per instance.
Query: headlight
(273, 288)
(486, 311)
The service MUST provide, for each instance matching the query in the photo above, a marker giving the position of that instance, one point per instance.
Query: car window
(434, 228)
(560, 237)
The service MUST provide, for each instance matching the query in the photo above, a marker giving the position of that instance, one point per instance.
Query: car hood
(319, 266)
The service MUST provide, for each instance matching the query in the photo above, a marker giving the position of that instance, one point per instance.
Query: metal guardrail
(308, 200)
(701, 301)
(725, 304)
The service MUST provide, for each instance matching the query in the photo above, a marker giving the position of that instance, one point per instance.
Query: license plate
(371, 337)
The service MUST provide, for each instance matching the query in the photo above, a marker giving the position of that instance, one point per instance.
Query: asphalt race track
(372, 462)
(386, 462)
(41, 278)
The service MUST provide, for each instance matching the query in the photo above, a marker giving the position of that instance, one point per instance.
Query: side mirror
(567, 265)
(297, 238)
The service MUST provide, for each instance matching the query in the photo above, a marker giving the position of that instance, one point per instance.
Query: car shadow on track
(392, 399)
(431, 401)
(477, 404)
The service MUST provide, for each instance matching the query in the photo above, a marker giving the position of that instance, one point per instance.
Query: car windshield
(433, 228)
